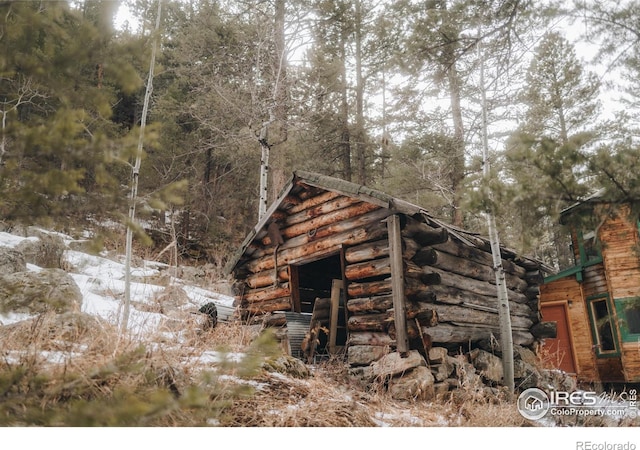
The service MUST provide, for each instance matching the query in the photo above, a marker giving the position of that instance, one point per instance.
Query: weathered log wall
(448, 285)
(312, 227)
(450, 292)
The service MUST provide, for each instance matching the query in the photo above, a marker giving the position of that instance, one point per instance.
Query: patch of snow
(65, 237)
(10, 317)
(236, 380)
(201, 296)
(99, 266)
(100, 305)
(143, 323)
(11, 240)
(54, 357)
(214, 357)
(34, 268)
(379, 419)
(157, 265)
(101, 282)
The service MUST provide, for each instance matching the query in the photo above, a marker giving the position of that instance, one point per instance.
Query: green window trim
(598, 330)
(622, 307)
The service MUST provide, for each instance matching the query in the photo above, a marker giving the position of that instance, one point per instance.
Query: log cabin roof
(303, 180)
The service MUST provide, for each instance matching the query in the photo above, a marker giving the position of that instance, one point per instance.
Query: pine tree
(547, 156)
(213, 97)
(438, 56)
(615, 26)
(56, 110)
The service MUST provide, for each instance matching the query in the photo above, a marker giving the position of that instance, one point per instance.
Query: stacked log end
(466, 297)
(451, 297)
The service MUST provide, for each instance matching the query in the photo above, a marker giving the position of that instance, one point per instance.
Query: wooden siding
(619, 235)
(619, 253)
(570, 291)
(594, 281)
(631, 361)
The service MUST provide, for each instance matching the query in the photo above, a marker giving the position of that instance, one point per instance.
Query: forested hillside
(387, 94)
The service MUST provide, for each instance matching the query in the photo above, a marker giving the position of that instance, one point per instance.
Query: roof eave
(233, 262)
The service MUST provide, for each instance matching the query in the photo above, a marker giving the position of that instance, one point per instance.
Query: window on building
(590, 247)
(585, 239)
(602, 327)
(628, 310)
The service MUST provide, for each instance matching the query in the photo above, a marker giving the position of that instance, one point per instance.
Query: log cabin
(596, 302)
(370, 274)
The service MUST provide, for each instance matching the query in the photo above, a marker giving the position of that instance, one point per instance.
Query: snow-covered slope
(101, 281)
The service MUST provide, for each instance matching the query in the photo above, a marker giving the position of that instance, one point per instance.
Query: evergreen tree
(56, 109)
(213, 97)
(438, 54)
(547, 157)
(328, 108)
(615, 26)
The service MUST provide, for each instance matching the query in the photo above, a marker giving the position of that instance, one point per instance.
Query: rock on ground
(39, 292)
(11, 261)
(417, 384)
(46, 251)
(288, 365)
(394, 364)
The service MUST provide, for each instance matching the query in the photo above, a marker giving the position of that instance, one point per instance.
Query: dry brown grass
(95, 362)
(170, 379)
(548, 359)
(331, 398)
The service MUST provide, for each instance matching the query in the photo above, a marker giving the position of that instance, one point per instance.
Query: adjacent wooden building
(596, 303)
(367, 274)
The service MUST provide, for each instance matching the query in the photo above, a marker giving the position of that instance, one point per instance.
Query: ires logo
(533, 404)
(579, 398)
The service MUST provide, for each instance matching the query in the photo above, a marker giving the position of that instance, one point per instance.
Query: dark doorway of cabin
(314, 284)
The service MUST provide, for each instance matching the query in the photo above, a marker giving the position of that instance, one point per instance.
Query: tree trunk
(345, 136)
(134, 180)
(360, 133)
(451, 38)
(506, 332)
(279, 133)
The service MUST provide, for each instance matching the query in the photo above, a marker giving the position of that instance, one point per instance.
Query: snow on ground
(10, 240)
(101, 281)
